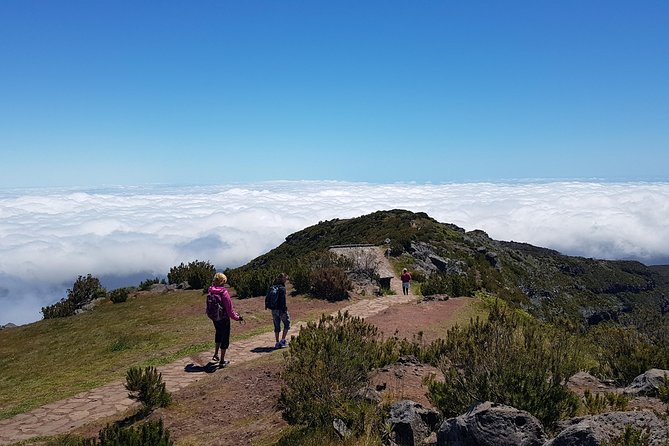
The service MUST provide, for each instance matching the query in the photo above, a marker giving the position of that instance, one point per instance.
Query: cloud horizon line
(50, 235)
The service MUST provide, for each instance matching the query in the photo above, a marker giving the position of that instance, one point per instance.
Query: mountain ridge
(540, 280)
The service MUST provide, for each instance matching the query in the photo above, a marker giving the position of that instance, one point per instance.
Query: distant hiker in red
(220, 311)
(406, 281)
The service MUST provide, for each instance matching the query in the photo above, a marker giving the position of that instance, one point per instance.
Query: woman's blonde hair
(220, 279)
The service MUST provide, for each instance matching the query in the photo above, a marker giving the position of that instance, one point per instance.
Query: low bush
(418, 276)
(593, 404)
(198, 274)
(508, 359)
(251, 283)
(300, 278)
(119, 295)
(83, 291)
(330, 283)
(71, 440)
(151, 433)
(146, 285)
(302, 272)
(451, 284)
(663, 391)
(631, 436)
(339, 352)
(623, 353)
(146, 386)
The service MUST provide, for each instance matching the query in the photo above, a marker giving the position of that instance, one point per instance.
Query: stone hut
(365, 256)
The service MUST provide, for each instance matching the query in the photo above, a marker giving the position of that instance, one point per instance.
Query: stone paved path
(64, 416)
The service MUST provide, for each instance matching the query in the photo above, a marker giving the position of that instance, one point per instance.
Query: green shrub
(198, 274)
(151, 433)
(300, 278)
(305, 270)
(119, 295)
(330, 283)
(630, 437)
(329, 362)
(451, 284)
(146, 285)
(418, 276)
(71, 440)
(623, 353)
(146, 386)
(251, 283)
(663, 391)
(594, 404)
(84, 290)
(509, 359)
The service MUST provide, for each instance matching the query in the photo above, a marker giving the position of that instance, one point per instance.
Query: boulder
(412, 423)
(427, 261)
(595, 429)
(647, 383)
(491, 424)
(491, 257)
(431, 440)
(436, 297)
(340, 427)
(370, 394)
(582, 381)
(163, 288)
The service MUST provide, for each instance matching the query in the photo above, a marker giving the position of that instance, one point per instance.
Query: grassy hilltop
(542, 281)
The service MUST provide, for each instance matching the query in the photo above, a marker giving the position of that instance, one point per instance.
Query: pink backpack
(215, 309)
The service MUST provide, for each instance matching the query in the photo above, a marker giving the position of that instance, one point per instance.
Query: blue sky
(133, 92)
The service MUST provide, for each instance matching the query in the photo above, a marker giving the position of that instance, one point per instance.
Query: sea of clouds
(124, 235)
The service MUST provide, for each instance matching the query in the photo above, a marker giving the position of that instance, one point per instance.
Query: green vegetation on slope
(448, 259)
(57, 358)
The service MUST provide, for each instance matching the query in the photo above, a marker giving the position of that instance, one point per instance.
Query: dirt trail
(69, 414)
(89, 411)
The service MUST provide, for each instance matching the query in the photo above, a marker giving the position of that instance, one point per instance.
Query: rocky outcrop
(428, 261)
(165, 288)
(585, 381)
(411, 423)
(88, 306)
(647, 384)
(595, 429)
(340, 427)
(490, 424)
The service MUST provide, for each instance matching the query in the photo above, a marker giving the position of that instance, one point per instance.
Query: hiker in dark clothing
(280, 313)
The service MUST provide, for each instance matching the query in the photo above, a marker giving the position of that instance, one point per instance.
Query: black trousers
(222, 332)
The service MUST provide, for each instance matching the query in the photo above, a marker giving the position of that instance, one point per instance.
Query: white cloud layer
(49, 237)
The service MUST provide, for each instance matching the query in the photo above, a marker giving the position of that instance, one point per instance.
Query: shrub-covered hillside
(444, 256)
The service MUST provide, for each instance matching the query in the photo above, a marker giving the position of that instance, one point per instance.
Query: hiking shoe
(215, 358)
(278, 345)
(223, 364)
(282, 342)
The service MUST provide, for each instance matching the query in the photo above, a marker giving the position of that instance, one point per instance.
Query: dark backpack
(214, 307)
(272, 298)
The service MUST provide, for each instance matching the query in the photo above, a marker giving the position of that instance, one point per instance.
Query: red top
(406, 277)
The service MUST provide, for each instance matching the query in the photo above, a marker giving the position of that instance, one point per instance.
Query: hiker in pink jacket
(222, 317)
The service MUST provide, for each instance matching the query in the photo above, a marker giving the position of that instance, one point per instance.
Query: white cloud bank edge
(48, 237)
